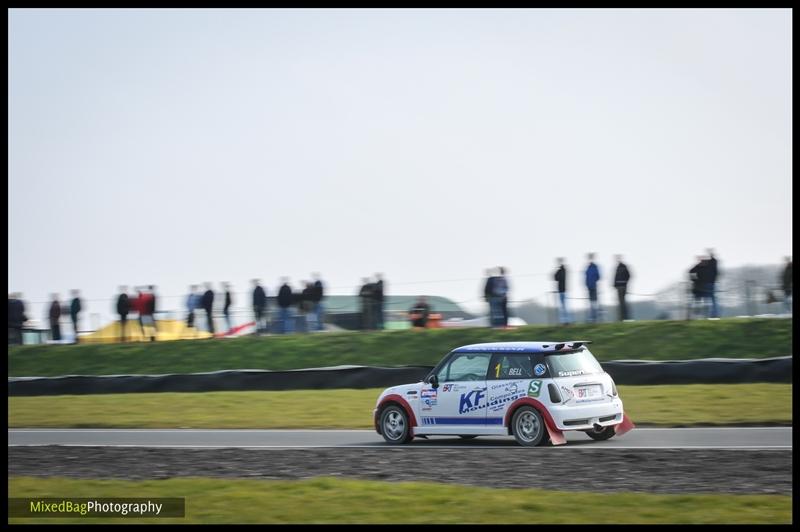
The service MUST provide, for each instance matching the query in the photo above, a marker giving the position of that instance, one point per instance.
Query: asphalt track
(638, 438)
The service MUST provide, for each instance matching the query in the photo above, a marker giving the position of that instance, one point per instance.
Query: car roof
(523, 347)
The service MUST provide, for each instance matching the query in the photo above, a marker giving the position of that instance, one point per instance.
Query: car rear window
(572, 364)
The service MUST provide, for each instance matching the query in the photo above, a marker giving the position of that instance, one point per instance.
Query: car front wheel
(602, 434)
(394, 425)
(528, 427)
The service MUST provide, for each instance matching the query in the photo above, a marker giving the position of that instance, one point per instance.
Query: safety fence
(625, 372)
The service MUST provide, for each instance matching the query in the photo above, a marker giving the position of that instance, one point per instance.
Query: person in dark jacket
(367, 297)
(712, 272)
(304, 305)
(316, 299)
(419, 313)
(592, 276)
(488, 296)
(226, 310)
(697, 275)
(207, 302)
(501, 289)
(74, 312)
(379, 299)
(621, 278)
(16, 318)
(259, 305)
(786, 283)
(55, 319)
(123, 309)
(285, 300)
(560, 278)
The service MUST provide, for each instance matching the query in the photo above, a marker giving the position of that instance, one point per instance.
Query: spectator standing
(621, 278)
(787, 286)
(366, 294)
(285, 300)
(136, 306)
(55, 319)
(192, 304)
(711, 283)
(16, 318)
(305, 305)
(592, 277)
(146, 309)
(419, 313)
(697, 275)
(151, 309)
(488, 296)
(74, 311)
(316, 299)
(207, 302)
(123, 309)
(226, 310)
(501, 289)
(259, 305)
(561, 281)
(378, 301)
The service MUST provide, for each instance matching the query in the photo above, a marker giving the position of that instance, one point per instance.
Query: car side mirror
(434, 381)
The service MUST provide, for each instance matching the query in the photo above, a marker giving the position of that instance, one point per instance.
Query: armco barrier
(704, 371)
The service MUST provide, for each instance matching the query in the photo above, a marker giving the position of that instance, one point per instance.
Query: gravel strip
(650, 470)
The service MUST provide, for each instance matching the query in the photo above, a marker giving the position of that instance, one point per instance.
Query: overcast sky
(181, 146)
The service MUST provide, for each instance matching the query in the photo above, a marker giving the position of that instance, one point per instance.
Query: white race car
(532, 390)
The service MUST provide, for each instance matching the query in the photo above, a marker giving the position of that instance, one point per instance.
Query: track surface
(584, 468)
(639, 438)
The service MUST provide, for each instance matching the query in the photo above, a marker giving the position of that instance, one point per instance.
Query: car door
(458, 405)
(509, 379)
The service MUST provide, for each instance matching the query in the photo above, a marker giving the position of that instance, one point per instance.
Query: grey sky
(180, 146)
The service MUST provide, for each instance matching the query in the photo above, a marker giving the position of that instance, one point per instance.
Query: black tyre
(602, 434)
(528, 428)
(394, 425)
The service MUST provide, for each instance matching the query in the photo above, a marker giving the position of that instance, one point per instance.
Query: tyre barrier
(630, 372)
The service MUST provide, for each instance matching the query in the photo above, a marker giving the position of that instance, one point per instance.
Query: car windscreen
(580, 362)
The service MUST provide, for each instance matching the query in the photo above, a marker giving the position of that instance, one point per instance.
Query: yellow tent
(165, 330)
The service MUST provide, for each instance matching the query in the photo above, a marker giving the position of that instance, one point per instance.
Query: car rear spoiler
(564, 347)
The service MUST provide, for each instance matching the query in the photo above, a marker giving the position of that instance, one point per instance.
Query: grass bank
(691, 404)
(329, 500)
(649, 340)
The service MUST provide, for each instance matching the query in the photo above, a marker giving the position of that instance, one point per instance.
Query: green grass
(650, 340)
(329, 500)
(690, 404)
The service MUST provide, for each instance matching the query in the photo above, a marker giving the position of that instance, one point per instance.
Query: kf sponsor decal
(471, 401)
(539, 370)
(534, 388)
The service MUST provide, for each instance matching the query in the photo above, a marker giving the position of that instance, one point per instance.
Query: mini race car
(532, 390)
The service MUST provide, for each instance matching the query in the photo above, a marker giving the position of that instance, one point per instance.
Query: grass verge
(329, 500)
(689, 404)
(649, 340)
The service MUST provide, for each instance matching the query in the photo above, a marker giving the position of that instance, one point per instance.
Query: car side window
(465, 367)
(511, 367)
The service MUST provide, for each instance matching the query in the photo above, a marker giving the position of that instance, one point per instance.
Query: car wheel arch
(527, 401)
(397, 400)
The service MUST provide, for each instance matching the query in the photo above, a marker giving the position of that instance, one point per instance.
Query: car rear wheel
(394, 425)
(602, 434)
(528, 428)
